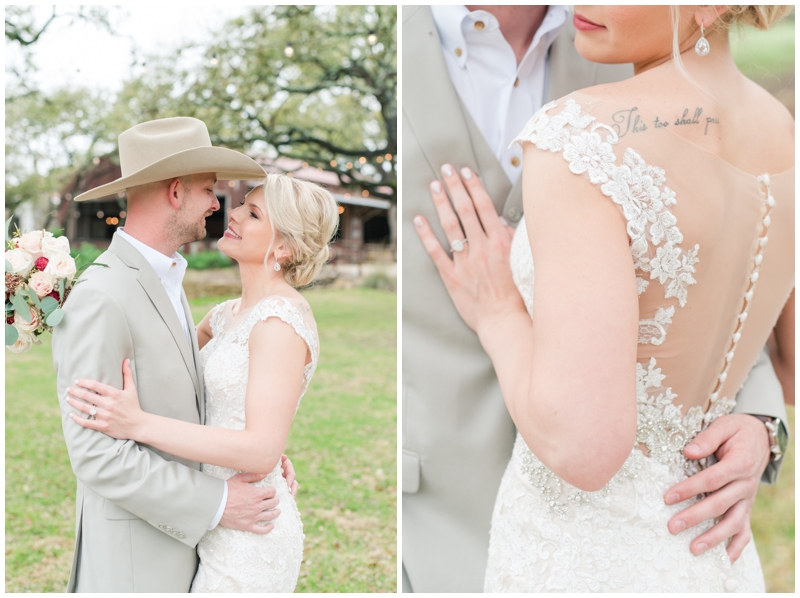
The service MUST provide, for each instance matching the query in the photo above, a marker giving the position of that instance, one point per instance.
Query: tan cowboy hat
(171, 147)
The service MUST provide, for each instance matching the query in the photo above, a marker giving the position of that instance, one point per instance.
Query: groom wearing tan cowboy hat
(140, 512)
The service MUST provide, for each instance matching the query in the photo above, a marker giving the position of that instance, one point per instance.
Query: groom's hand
(289, 475)
(248, 505)
(741, 445)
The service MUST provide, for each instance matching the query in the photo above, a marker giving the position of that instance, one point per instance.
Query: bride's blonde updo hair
(305, 217)
(758, 16)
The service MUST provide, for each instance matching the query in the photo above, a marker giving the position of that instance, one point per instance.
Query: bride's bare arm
(277, 358)
(204, 333)
(568, 376)
(781, 350)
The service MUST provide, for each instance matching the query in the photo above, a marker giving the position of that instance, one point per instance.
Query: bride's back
(718, 264)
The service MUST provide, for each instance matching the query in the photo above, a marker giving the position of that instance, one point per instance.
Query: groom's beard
(184, 226)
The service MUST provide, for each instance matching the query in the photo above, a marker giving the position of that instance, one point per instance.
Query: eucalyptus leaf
(9, 267)
(21, 307)
(49, 304)
(61, 289)
(28, 293)
(54, 319)
(12, 334)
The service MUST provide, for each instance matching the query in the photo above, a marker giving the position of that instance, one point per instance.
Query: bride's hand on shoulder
(114, 412)
(478, 276)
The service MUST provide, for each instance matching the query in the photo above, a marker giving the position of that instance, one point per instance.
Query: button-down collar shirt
(170, 271)
(500, 95)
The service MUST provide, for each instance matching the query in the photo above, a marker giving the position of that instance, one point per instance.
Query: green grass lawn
(772, 523)
(343, 445)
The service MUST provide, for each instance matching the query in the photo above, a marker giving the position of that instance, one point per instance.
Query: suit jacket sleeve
(92, 342)
(761, 394)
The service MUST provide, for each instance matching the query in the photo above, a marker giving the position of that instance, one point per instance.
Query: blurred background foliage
(767, 57)
(317, 83)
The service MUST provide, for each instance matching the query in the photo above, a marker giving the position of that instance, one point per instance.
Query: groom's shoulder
(107, 276)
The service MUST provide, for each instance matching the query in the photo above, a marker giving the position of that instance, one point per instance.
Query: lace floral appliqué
(638, 188)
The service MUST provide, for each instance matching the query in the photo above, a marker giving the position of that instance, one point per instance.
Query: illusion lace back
(712, 248)
(231, 560)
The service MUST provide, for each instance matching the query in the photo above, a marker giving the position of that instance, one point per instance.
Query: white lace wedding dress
(231, 560)
(548, 536)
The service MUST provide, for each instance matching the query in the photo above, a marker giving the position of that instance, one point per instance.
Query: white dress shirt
(170, 271)
(500, 95)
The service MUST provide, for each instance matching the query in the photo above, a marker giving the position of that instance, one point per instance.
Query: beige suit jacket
(457, 434)
(139, 512)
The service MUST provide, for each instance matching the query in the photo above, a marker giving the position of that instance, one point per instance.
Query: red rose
(54, 295)
(10, 320)
(41, 263)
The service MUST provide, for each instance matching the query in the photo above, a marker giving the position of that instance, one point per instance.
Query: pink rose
(21, 261)
(21, 324)
(61, 265)
(32, 243)
(41, 283)
(24, 342)
(54, 245)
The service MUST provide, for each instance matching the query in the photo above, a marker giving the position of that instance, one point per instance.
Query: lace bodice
(698, 246)
(230, 560)
(222, 374)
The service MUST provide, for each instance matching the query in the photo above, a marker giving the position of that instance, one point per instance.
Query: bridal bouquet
(39, 276)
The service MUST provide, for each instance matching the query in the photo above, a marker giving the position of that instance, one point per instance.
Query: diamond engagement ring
(93, 410)
(458, 246)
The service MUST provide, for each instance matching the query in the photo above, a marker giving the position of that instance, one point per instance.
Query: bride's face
(249, 232)
(627, 34)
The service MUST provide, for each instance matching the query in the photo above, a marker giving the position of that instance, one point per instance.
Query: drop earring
(277, 266)
(702, 47)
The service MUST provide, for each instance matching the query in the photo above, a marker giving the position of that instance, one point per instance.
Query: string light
(214, 59)
(289, 50)
(372, 38)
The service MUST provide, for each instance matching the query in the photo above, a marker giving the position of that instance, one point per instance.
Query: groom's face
(198, 203)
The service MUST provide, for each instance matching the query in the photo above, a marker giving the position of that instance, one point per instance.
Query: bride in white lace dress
(258, 354)
(660, 219)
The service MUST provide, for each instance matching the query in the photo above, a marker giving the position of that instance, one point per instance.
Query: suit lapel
(158, 295)
(201, 402)
(493, 177)
(442, 126)
(155, 290)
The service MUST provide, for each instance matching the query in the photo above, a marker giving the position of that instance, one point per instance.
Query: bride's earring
(701, 47)
(277, 266)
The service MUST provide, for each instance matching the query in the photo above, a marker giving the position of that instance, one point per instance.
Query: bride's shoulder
(288, 300)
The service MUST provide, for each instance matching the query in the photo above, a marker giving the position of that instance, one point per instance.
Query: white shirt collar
(453, 20)
(168, 269)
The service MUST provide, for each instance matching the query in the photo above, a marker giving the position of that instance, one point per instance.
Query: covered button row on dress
(769, 203)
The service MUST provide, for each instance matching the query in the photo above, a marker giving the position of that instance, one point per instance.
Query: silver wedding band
(457, 246)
